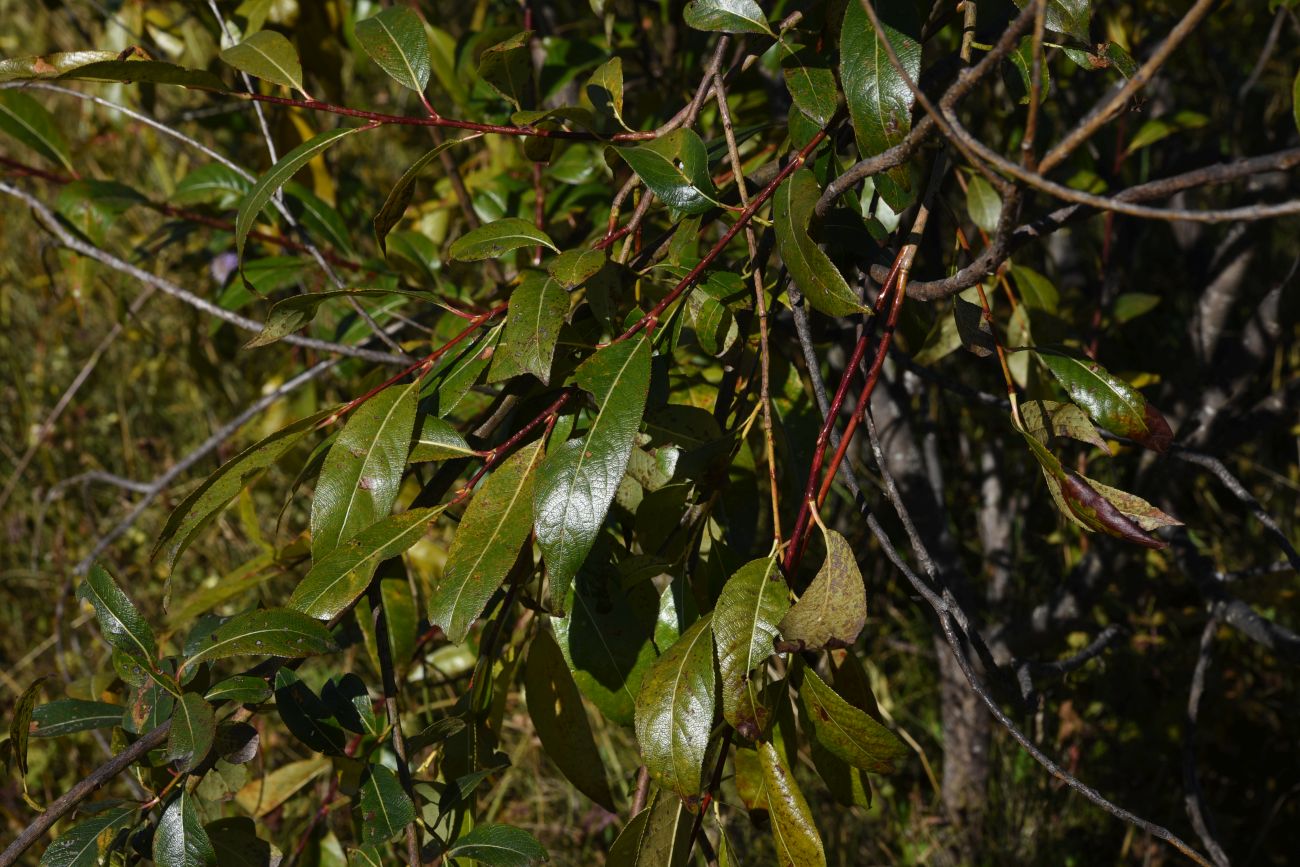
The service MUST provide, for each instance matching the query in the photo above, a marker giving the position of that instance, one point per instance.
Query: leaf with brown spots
(833, 610)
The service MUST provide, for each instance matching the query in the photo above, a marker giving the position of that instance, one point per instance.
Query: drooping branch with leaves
(656, 373)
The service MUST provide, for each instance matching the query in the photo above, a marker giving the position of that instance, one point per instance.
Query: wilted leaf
(1046, 418)
(744, 626)
(833, 610)
(675, 709)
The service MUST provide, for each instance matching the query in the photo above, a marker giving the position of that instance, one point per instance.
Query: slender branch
(1193, 798)
(389, 678)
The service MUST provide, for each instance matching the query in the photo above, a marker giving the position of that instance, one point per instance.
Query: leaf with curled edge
(390, 213)
(813, 271)
(1047, 418)
(675, 167)
(1136, 509)
(745, 620)
(1108, 400)
(798, 844)
(675, 709)
(833, 610)
(498, 238)
(119, 620)
(577, 481)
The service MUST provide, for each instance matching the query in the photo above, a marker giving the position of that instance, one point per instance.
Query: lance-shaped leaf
(1097, 512)
(812, 270)
(751, 604)
(572, 268)
(577, 481)
(264, 794)
(400, 195)
(847, 731)
(289, 314)
(1133, 507)
(142, 71)
(486, 545)
(658, 836)
(1108, 400)
(797, 842)
(507, 68)
(120, 622)
(880, 102)
(811, 83)
(20, 726)
(402, 618)
(395, 39)
(180, 840)
(260, 195)
(498, 846)
(727, 16)
(537, 310)
(363, 469)
(498, 238)
(833, 610)
(675, 710)
(605, 89)
(69, 715)
(560, 720)
(270, 632)
(193, 728)
(1047, 418)
(306, 716)
(267, 55)
(50, 65)
(28, 121)
(212, 183)
(341, 576)
(242, 689)
(437, 440)
(385, 809)
(79, 846)
(675, 167)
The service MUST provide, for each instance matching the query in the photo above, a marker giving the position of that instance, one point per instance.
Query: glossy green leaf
(572, 268)
(498, 238)
(560, 720)
(359, 480)
(242, 689)
(833, 610)
(68, 715)
(847, 731)
(385, 809)
(812, 270)
(267, 55)
(180, 840)
(270, 632)
(745, 620)
(675, 167)
(449, 384)
(1108, 400)
(486, 544)
(193, 728)
(279, 174)
(658, 836)
(400, 195)
(727, 16)
(811, 83)
(605, 89)
(437, 440)
(507, 68)
(675, 709)
(337, 579)
(537, 310)
(395, 39)
(983, 203)
(498, 846)
(880, 102)
(28, 121)
(797, 842)
(577, 481)
(79, 846)
(1071, 17)
(119, 621)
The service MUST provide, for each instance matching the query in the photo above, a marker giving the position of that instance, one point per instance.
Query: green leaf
(68, 715)
(142, 71)
(401, 618)
(498, 238)
(120, 622)
(577, 481)
(270, 632)
(727, 16)
(213, 183)
(1046, 418)
(438, 440)
(49, 65)
(289, 314)
(196, 510)
(797, 842)
(20, 729)
(79, 846)
(385, 809)
(400, 195)
(1108, 400)
(572, 268)
(1071, 17)
(880, 102)
(395, 39)
(833, 610)
(1295, 100)
(236, 843)
(1035, 289)
(264, 794)
(498, 846)
(751, 604)
(260, 195)
(307, 717)
(180, 840)
(1131, 305)
(537, 310)
(338, 578)
(811, 83)
(451, 381)
(675, 709)
(846, 731)
(27, 120)
(268, 55)
(983, 203)
(242, 688)
(658, 836)
(560, 720)
(507, 68)
(359, 480)
(605, 89)
(193, 728)
(486, 544)
(675, 167)
(813, 272)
